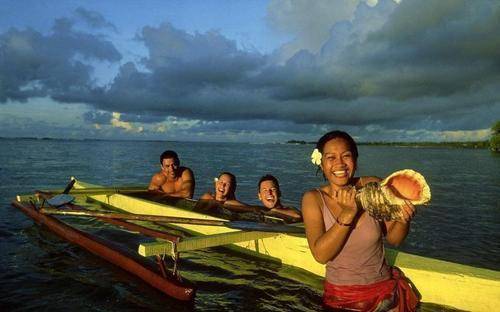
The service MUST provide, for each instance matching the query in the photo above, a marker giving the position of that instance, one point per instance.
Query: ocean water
(40, 271)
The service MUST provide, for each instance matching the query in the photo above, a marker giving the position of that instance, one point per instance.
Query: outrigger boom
(169, 284)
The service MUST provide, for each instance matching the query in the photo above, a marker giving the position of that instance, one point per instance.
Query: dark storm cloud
(251, 125)
(432, 64)
(93, 19)
(189, 75)
(436, 48)
(96, 117)
(141, 118)
(391, 64)
(104, 118)
(56, 65)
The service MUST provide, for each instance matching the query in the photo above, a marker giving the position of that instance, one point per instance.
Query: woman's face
(338, 163)
(223, 186)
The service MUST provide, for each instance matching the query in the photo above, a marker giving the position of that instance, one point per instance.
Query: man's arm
(207, 196)
(156, 182)
(285, 211)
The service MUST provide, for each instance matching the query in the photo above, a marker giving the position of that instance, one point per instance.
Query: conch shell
(384, 200)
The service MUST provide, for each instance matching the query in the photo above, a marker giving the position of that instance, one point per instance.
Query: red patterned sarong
(395, 292)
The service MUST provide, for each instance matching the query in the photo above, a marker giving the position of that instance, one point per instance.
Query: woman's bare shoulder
(310, 194)
(310, 200)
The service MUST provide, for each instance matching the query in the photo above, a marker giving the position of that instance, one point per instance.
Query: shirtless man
(173, 180)
(269, 194)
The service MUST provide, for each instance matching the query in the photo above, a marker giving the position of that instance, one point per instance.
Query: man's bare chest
(171, 186)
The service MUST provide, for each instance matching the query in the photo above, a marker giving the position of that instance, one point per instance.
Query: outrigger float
(440, 282)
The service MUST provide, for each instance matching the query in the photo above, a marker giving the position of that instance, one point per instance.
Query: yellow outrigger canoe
(440, 282)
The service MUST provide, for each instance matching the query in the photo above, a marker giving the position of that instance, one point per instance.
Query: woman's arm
(398, 230)
(326, 245)
(234, 203)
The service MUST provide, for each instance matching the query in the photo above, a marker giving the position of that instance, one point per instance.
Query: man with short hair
(269, 194)
(172, 179)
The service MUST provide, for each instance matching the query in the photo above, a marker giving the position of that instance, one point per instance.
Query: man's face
(169, 166)
(268, 194)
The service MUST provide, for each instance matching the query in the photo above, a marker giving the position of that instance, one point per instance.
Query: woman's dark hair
(169, 154)
(233, 180)
(335, 134)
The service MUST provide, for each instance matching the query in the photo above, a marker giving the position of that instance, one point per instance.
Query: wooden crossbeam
(200, 242)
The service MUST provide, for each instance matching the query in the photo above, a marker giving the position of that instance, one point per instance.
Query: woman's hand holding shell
(407, 212)
(346, 198)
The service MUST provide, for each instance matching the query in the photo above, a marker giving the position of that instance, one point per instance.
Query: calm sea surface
(40, 271)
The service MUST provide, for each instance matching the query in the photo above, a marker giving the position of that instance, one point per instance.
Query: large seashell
(384, 200)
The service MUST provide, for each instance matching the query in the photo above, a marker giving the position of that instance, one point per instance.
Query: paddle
(106, 190)
(240, 225)
(63, 198)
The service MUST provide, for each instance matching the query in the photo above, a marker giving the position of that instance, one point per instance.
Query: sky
(250, 71)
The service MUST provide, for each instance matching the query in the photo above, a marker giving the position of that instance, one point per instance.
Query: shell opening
(409, 185)
(405, 187)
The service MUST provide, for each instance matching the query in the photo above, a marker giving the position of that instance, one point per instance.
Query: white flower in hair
(316, 157)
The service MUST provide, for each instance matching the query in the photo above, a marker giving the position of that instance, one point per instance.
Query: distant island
(299, 142)
(492, 144)
(470, 144)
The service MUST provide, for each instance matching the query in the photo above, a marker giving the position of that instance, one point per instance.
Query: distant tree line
(299, 142)
(495, 137)
(470, 144)
(493, 143)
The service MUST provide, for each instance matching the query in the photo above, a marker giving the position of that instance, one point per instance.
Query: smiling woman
(225, 190)
(348, 240)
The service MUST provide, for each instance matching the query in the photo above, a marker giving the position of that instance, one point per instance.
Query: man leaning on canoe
(173, 179)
